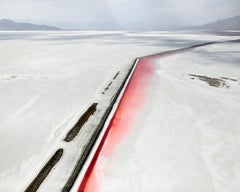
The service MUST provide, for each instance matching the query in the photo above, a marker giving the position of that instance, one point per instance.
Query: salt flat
(47, 79)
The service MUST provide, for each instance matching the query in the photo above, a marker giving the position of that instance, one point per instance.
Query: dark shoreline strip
(33, 187)
(83, 119)
(181, 50)
(89, 146)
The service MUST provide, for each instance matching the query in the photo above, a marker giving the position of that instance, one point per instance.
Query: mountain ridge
(231, 23)
(7, 25)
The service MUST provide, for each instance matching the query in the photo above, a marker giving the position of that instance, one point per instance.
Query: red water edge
(129, 108)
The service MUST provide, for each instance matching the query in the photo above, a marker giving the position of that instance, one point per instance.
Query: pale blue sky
(149, 14)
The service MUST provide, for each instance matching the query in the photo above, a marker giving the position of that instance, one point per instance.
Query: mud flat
(83, 119)
(42, 175)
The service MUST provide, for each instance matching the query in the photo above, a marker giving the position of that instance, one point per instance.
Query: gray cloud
(149, 14)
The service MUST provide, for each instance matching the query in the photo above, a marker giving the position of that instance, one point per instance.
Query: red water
(128, 110)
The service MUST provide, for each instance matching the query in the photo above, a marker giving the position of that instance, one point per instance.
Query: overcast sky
(119, 14)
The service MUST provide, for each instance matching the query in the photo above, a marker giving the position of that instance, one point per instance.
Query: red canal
(131, 103)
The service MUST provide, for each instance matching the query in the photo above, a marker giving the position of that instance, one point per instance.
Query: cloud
(118, 13)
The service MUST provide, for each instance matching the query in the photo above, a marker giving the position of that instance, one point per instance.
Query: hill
(6, 24)
(232, 23)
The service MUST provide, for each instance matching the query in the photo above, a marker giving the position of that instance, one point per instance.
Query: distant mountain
(6, 24)
(232, 23)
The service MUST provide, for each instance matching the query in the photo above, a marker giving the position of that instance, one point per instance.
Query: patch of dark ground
(108, 86)
(214, 82)
(83, 119)
(35, 184)
(116, 75)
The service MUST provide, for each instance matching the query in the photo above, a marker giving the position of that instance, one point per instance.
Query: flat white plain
(48, 79)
